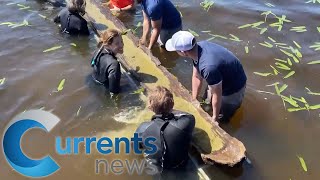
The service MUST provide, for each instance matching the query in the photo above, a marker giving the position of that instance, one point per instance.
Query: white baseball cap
(180, 41)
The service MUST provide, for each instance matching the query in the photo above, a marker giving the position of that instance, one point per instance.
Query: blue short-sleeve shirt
(216, 63)
(157, 9)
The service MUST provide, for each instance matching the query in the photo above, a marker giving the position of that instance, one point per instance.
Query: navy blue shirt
(157, 9)
(216, 64)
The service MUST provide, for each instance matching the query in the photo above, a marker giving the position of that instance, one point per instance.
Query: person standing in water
(172, 130)
(106, 68)
(71, 19)
(164, 18)
(219, 67)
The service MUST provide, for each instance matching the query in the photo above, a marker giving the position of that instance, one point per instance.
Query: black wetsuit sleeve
(114, 75)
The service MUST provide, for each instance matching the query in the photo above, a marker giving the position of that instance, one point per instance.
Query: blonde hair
(161, 100)
(76, 6)
(107, 37)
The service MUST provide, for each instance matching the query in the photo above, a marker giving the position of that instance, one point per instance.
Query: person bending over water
(220, 68)
(172, 130)
(106, 68)
(71, 19)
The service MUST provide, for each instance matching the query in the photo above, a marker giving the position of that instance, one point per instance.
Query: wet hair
(108, 36)
(161, 100)
(78, 6)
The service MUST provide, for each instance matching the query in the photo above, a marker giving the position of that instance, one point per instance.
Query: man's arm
(196, 83)
(156, 28)
(146, 28)
(216, 91)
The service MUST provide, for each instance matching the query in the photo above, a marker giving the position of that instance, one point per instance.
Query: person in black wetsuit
(106, 68)
(71, 19)
(172, 130)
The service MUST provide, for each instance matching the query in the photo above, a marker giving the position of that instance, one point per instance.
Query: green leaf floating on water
(289, 74)
(246, 48)
(303, 163)
(312, 93)
(262, 74)
(139, 91)
(315, 46)
(296, 109)
(78, 112)
(2, 81)
(314, 107)
(266, 44)
(60, 87)
(206, 5)
(298, 45)
(8, 23)
(52, 49)
(271, 39)
(73, 44)
(291, 101)
(275, 71)
(269, 4)
(234, 38)
(280, 60)
(282, 66)
(263, 30)
(314, 62)
(244, 26)
(217, 36)
(44, 17)
(193, 33)
(283, 87)
(318, 28)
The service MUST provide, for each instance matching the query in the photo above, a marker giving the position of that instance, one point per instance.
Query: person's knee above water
(172, 130)
(219, 67)
(164, 18)
(121, 5)
(106, 68)
(71, 19)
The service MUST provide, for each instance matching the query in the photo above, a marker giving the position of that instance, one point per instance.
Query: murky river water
(273, 136)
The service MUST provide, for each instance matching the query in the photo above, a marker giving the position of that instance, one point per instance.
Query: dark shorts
(166, 34)
(229, 104)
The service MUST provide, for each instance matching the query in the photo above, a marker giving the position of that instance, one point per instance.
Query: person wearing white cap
(219, 67)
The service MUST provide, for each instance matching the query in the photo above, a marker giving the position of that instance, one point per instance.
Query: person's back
(172, 131)
(164, 9)
(177, 133)
(221, 64)
(70, 19)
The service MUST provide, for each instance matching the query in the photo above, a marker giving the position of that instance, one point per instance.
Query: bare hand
(115, 9)
(142, 42)
(195, 103)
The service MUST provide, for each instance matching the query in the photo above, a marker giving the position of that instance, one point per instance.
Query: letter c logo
(12, 148)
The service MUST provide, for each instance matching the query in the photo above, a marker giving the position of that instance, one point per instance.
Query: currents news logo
(47, 166)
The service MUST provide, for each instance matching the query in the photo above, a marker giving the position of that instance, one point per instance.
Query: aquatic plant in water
(206, 5)
(315, 46)
(193, 33)
(2, 81)
(61, 85)
(52, 49)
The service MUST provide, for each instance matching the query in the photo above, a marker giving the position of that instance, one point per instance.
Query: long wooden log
(212, 142)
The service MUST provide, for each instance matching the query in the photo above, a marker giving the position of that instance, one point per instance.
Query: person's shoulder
(180, 114)
(143, 127)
